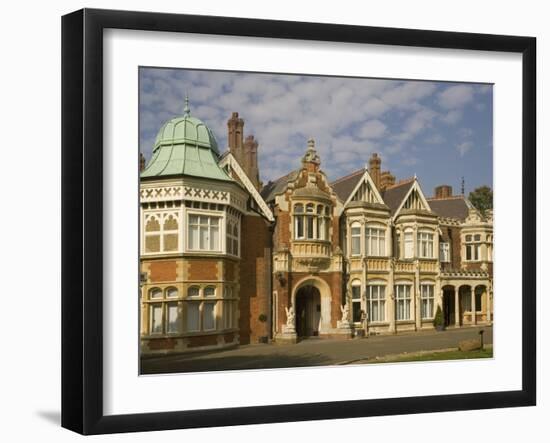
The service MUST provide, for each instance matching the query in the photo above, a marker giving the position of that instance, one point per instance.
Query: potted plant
(439, 324)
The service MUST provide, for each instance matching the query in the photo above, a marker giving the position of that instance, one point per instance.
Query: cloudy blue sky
(439, 131)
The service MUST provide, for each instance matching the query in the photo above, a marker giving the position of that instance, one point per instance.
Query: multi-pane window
(202, 308)
(232, 238)
(376, 241)
(203, 233)
(403, 302)
(427, 298)
(355, 239)
(356, 300)
(444, 252)
(164, 316)
(161, 233)
(425, 244)
(397, 245)
(473, 247)
(376, 298)
(408, 244)
(311, 222)
(299, 221)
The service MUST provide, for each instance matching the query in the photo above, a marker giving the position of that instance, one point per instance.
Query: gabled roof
(414, 189)
(228, 159)
(271, 189)
(343, 187)
(394, 195)
(451, 207)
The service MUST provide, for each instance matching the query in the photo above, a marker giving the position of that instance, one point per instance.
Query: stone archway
(312, 297)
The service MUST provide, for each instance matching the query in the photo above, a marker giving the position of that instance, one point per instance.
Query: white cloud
(456, 96)
(372, 129)
(452, 117)
(464, 147)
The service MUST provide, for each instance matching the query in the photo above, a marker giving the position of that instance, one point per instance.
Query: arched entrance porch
(311, 299)
(308, 311)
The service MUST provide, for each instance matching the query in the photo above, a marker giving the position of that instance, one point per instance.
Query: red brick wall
(255, 287)
(162, 271)
(203, 269)
(451, 234)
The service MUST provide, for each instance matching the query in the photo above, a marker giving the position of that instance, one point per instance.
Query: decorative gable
(365, 191)
(414, 200)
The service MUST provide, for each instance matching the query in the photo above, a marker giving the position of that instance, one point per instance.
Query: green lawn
(438, 355)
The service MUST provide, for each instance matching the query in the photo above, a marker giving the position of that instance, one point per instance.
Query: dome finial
(186, 109)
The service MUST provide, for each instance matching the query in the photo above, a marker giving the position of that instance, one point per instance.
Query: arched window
(210, 291)
(155, 293)
(152, 234)
(355, 238)
(193, 291)
(171, 293)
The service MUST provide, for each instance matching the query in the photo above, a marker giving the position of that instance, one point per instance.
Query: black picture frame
(82, 218)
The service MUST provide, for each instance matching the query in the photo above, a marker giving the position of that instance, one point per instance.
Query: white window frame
(209, 215)
(375, 236)
(161, 216)
(427, 298)
(357, 235)
(408, 239)
(425, 242)
(299, 217)
(472, 248)
(376, 304)
(403, 293)
(444, 252)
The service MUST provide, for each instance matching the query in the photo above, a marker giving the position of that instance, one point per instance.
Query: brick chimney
(443, 191)
(387, 179)
(141, 162)
(251, 160)
(374, 169)
(235, 127)
(245, 152)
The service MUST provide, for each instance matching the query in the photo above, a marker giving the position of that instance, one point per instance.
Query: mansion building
(226, 260)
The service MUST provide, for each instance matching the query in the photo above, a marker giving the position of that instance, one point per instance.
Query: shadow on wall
(184, 363)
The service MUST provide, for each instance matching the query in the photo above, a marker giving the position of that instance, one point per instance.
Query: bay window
(203, 233)
(311, 223)
(201, 307)
(164, 315)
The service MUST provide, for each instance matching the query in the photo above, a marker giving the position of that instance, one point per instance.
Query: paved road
(311, 352)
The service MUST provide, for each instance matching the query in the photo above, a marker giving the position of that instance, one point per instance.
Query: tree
(482, 198)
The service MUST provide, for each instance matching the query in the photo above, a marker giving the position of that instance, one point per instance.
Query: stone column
(487, 304)
(457, 305)
(416, 295)
(473, 304)
(390, 299)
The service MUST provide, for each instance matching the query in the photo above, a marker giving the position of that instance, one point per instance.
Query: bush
(438, 319)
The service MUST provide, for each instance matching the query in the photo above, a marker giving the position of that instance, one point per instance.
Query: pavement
(312, 352)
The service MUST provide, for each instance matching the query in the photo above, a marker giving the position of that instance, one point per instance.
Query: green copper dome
(185, 146)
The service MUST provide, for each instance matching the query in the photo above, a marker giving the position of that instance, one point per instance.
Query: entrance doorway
(449, 306)
(308, 311)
